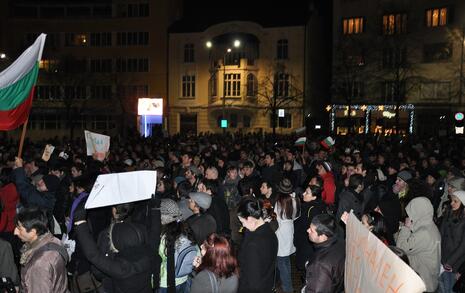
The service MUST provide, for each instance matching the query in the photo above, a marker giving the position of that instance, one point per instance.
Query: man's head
(48, 183)
(266, 188)
(322, 228)
(269, 158)
(401, 181)
(186, 159)
(30, 223)
(208, 186)
(231, 172)
(199, 202)
(356, 182)
(211, 173)
(248, 168)
(30, 166)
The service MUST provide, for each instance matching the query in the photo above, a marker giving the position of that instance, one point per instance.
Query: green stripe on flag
(13, 95)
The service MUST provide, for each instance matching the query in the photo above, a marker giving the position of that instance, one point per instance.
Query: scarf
(28, 249)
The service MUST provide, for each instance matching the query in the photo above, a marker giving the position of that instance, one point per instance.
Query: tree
(279, 89)
(70, 75)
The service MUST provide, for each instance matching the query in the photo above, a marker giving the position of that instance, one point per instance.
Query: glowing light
(328, 108)
(208, 44)
(237, 43)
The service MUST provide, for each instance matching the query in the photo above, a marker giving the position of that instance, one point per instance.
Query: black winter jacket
(257, 260)
(129, 270)
(453, 241)
(325, 270)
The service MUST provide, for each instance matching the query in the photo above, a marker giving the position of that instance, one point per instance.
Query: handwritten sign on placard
(97, 144)
(372, 267)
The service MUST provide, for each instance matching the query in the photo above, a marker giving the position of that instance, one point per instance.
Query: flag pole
(21, 141)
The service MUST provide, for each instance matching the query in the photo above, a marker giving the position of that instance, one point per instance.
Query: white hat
(460, 194)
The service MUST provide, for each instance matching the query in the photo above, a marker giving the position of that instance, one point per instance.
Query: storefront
(376, 119)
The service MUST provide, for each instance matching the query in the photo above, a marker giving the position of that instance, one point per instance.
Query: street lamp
(237, 44)
(2, 56)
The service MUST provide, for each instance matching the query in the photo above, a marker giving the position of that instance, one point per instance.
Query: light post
(236, 44)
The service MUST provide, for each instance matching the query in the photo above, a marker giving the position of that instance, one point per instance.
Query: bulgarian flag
(328, 142)
(301, 141)
(17, 86)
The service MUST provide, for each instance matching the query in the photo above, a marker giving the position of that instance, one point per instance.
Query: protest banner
(97, 145)
(47, 152)
(117, 188)
(372, 267)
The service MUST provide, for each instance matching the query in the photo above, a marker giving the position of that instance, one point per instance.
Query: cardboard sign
(372, 267)
(47, 152)
(117, 188)
(97, 145)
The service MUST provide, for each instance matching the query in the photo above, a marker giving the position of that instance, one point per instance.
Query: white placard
(97, 145)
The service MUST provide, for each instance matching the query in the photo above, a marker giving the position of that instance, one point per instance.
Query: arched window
(252, 85)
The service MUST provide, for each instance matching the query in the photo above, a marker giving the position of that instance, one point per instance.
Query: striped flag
(301, 141)
(17, 86)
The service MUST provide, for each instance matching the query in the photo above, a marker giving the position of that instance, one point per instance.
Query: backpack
(185, 258)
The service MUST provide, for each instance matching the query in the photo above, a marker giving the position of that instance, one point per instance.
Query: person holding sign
(325, 269)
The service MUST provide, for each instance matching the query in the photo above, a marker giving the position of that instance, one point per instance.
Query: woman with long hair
(287, 209)
(259, 248)
(175, 239)
(217, 269)
(377, 225)
(452, 240)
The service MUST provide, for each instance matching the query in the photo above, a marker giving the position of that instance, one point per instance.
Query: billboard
(150, 107)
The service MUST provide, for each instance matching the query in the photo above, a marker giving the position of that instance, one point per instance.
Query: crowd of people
(231, 213)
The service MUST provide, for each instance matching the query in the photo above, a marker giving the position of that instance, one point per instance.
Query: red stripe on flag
(12, 119)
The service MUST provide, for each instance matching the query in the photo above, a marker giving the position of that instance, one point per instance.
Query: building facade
(397, 63)
(241, 72)
(99, 58)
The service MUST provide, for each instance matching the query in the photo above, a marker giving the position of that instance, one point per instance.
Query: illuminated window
(437, 17)
(282, 84)
(232, 82)
(352, 25)
(188, 86)
(252, 85)
(394, 24)
(76, 39)
(48, 65)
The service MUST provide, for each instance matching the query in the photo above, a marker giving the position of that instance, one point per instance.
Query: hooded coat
(422, 241)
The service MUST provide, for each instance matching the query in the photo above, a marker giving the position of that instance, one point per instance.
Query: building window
(213, 85)
(76, 39)
(100, 65)
(47, 92)
(282, 122)
(394, 58)
(282, 47)
(437, 17)
(353, 25)
(282, 84)
(100, 39)
(102, 122)
(437, 52)
(353, 89)
(435, 91)
(188, 53)
(232, 83)
(246, 121)
(138, 10)
(394, 24)
(132, 38)
(132, 91)
(233, 120)
(75, 92)
(132, 65)
(252, 85)
(393, 90)
(48, 65)
(100, 92)
(188, 86)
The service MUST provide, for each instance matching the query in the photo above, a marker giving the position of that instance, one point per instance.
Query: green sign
(224, 123)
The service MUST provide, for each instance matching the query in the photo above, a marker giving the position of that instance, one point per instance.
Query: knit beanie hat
(169, 211)
(202, 199)
(285, 186)
(405, 175)
(460, 194)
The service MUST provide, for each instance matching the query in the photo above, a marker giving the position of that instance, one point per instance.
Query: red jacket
(329, 188)
(9, 197)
